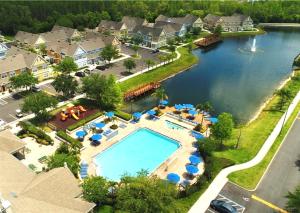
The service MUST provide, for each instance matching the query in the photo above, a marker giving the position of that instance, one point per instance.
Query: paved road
(8, 107)
(283, 174)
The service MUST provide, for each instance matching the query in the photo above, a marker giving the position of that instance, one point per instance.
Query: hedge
(124, 115)
(74, 143)
(41, 136)
(84, 121)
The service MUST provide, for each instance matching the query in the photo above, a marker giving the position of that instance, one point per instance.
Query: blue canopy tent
(194, 159)
(109, 114)
(80, 134)
(213, 120)
(96, 137)
(189, 106)
(191, 169)
(100, 125)
(137, 115)
(163, 102)
(173, 178)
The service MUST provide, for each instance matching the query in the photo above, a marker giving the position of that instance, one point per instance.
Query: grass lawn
(249, 178)
(244, 33)
(186, 60)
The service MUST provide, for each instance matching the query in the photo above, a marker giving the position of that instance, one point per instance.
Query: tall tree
(222, 130)
(293, 203)
(149, 63)
(59, 159)
(67, 65)
(137, 39)
(95, 189)
(218, 30)
(160, 94)
(38, 103)
(129, 64)
(66, 84)
(135, 48)
(104, 90)
(285, 96)
(109, 52)
(24, 80)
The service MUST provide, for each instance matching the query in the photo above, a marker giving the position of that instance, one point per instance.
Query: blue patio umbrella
(189, 106)
(137, 115)
(194, 159)
(197, 136)
(163, 102)
(191, 169)
(193, 112)
(173, 177)
(110, 114)
(213, 120)
(80, 134)
(178, 107)
(151, 112)
(99, 125)
(96, 137)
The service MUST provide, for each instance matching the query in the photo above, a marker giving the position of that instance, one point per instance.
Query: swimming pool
(172, 125)
(142, 149)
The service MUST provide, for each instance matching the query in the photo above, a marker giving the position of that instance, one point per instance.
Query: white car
(19, 113)
(2, 122)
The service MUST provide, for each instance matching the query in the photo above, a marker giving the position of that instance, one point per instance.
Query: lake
(231, 77)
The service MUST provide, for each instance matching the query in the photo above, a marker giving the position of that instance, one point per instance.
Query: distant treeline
(40, 16)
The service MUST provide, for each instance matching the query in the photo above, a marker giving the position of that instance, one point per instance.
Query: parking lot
(239, 208)
(8, 107)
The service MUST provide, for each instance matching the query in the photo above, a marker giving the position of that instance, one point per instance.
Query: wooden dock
(146, 88)
(208, 40)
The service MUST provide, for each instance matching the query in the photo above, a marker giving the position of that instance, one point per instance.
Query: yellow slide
(82, 109)
(73, 115)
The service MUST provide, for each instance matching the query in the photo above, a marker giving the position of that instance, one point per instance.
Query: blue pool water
(172, 125)
(142, 149)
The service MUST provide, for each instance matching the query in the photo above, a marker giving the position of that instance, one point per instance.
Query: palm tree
(149, 63)
(135, 49)
(207, 107)
(293, 203)
(160, 94)
(285, 96)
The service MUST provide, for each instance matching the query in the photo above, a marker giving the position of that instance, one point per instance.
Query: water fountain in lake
(250, 48)
(253, 47)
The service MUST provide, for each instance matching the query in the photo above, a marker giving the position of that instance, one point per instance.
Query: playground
(70, 115)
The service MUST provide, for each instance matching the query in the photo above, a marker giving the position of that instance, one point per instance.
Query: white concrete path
(221, 179)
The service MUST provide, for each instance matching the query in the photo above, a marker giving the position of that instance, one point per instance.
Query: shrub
(114, 126)
(124, 115)
(73, 142)
(84, 121)
(41, 136)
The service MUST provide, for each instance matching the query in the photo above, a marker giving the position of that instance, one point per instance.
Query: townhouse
(29, 39)
(188, 21)
(133, 22)
(171, 29)
(118, 29)
(3, 50)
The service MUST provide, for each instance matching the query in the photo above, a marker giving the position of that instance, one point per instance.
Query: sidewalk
(221, 179)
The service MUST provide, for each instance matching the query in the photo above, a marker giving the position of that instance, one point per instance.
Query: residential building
(236, 22)
(94, 43)
(72, 34)
(152, 36)
(11, 144)
(133, 22)
(22, 190)
(118, 29)
(3, 50)
(58, 50)
(54, 36)
(19, 60)
(188, 20)
(29, 39)
(171, 29)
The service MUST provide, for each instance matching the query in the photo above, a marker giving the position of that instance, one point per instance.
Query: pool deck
(175, 163)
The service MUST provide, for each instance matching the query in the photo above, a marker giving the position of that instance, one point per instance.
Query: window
(4, 75)
(11, 74)
(45, 74)
(34, 69)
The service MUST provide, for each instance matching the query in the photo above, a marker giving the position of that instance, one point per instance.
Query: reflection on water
(231, 79)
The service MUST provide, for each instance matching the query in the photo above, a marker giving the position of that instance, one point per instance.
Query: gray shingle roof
(187, 20)
(25, 37)
(10, 143)
(58, 35)
(168, 27)
(110, 25)
(68, 31)
(149, 31)
(132, 22)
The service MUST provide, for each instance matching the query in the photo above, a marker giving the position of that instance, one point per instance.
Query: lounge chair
(122, 125)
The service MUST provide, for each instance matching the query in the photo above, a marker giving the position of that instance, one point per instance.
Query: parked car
(80, 74)
(19, 113)
(102, 67)
(127, 44)
(222, 207)
(36, 89)
(155, 51)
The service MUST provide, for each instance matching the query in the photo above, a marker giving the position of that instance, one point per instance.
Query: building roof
(132, 22)
(227, 20)
(53, 191)
(211, 19)
(154, 32)
(28, 38)
(187, 20)
(10, 143)
(63, 47)
(3, 47)
(68, 31)
(57, 35)
(168, 27)
(111, 25)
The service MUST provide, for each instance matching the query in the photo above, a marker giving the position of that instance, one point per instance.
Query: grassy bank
(244, 33)
(186, 60)
(249, 178)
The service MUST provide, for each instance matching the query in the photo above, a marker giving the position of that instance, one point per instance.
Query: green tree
(65, 84)
(42, 49)
(59, 160)
(67, 65)
(137, 39)
(109, 52)
(104, 90)
(222, 130)
(196, 30)
(95, 189)
(218, 30)
(149, 63)
(145, 194)
(162, 58)
(285, 97)
(190, 47)
(160, 94)
(293, 203)
(38, 103)
(206, 147)
(129, 64)
(172, 48)
(24, 80)
(135, 48)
